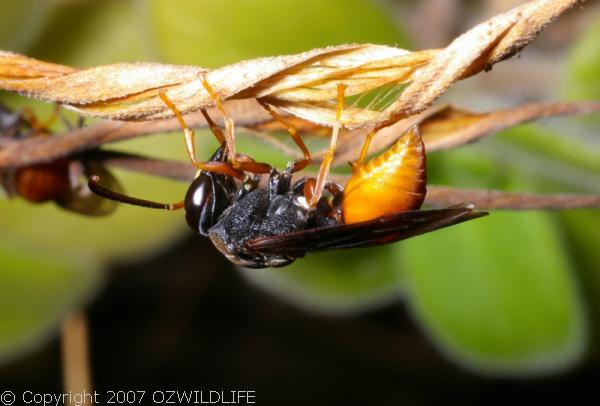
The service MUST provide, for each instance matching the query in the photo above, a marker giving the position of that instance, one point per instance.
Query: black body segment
(260, 213)
(383, 230)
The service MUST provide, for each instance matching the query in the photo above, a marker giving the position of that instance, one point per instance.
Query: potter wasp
(259, 227)
(62, 181)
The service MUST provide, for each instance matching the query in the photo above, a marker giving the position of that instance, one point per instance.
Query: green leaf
(338, 282)
(581, 229)
(552, 161)
(497, 294)
(211, 33)
(38, 288)
(21, 23)
(564, 148)
(584, 65)
(94, 33)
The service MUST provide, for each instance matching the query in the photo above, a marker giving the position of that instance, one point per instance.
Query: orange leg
(366, 144)
(331, 187)
(216, 130)
(55, 114)
(365, 149)
(248, 164)
(190, 144)
(229, 136)
(229, 127)
(298, 164)
(39, 127)
(334, 188)
(328, 158)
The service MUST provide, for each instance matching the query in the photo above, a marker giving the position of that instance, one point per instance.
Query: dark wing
(383, 230)
(82, 201)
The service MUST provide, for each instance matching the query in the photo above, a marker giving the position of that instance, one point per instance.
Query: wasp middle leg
(298, 164)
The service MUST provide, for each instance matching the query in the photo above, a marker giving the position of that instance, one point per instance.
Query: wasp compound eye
(199, 200)
(207, 197)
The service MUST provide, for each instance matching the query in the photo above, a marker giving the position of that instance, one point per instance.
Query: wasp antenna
(97, 188)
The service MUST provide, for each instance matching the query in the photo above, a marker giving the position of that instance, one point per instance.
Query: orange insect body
(394, 181)
(43, 182)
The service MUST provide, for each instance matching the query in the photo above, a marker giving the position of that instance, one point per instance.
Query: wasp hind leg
(364, 150)
(313, 191)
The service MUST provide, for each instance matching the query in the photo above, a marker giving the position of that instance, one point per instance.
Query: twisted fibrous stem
(304, 84)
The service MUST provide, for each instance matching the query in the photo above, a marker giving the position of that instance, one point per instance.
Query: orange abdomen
(43, 182)
(394, 181)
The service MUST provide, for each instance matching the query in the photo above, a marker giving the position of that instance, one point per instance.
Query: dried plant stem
(38, 149)
(494, 199)
(441, 128)
(467, 127)
(75, 356)
(444, 127)
(137, 163)
(302, 84)
(437, 195)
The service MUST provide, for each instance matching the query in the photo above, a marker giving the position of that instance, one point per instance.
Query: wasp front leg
(190, 143)
(229, 136)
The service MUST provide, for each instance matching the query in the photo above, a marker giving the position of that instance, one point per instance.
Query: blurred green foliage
(37, 289)
(584, 65)
(339, 282)
(22, 22)
(498, 295)
(214, 33)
